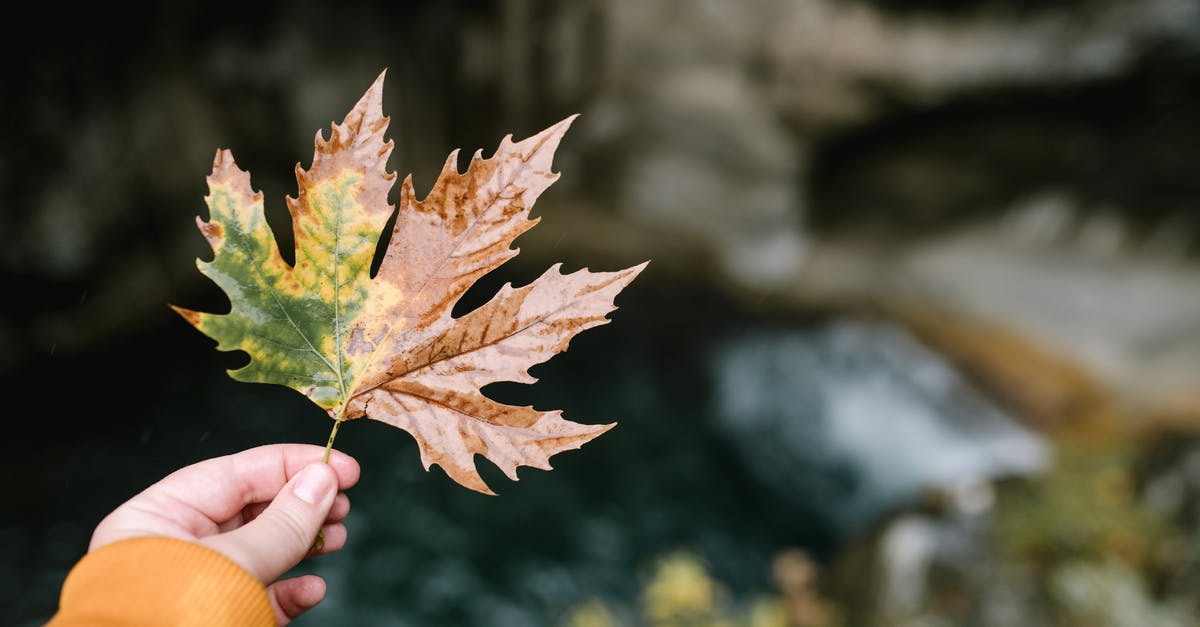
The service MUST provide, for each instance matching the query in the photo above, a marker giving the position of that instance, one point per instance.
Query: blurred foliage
(1109, 593)
(1099, 553)
(591, 613)
(1083, 539)
(682, 592)
(1085, 507)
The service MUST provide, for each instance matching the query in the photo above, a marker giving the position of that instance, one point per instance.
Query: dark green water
(423, 551)
(693, 464)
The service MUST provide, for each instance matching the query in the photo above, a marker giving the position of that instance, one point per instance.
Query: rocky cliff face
(1027, 165)
(1023, 169)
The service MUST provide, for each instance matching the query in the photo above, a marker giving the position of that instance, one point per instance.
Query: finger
(292, 597)
(337, 513)
(284, 532)
(219, 488)
(340, 509)
(335, 539)
(238, 520)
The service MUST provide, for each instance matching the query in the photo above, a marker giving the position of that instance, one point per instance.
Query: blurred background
(919, 345)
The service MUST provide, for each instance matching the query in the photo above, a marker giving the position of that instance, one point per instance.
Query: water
(739, 437)
(861, 418)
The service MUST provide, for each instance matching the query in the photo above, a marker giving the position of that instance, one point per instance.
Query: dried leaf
(387, 347)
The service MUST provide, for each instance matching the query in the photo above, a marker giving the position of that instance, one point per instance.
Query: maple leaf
(387, 347)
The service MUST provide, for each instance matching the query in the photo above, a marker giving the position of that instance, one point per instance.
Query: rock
(845, 415)
(1126, 319)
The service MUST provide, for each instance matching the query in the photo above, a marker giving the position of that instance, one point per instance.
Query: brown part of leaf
(441, 245)
(451, 439)
(516, 329)
(434, 392)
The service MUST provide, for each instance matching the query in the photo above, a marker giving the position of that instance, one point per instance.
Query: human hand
(262, 508)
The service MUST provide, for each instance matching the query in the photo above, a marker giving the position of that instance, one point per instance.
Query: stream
(740, 436)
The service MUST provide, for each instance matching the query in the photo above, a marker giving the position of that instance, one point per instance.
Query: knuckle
(288, 525)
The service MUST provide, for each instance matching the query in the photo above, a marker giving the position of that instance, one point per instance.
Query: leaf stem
(319, 542)
(337, 422)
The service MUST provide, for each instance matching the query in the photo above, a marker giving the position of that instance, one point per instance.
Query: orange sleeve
(161, 581)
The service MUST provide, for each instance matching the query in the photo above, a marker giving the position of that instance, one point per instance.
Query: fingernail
(313, 484)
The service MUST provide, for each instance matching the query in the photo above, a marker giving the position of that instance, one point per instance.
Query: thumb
(282, 535)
